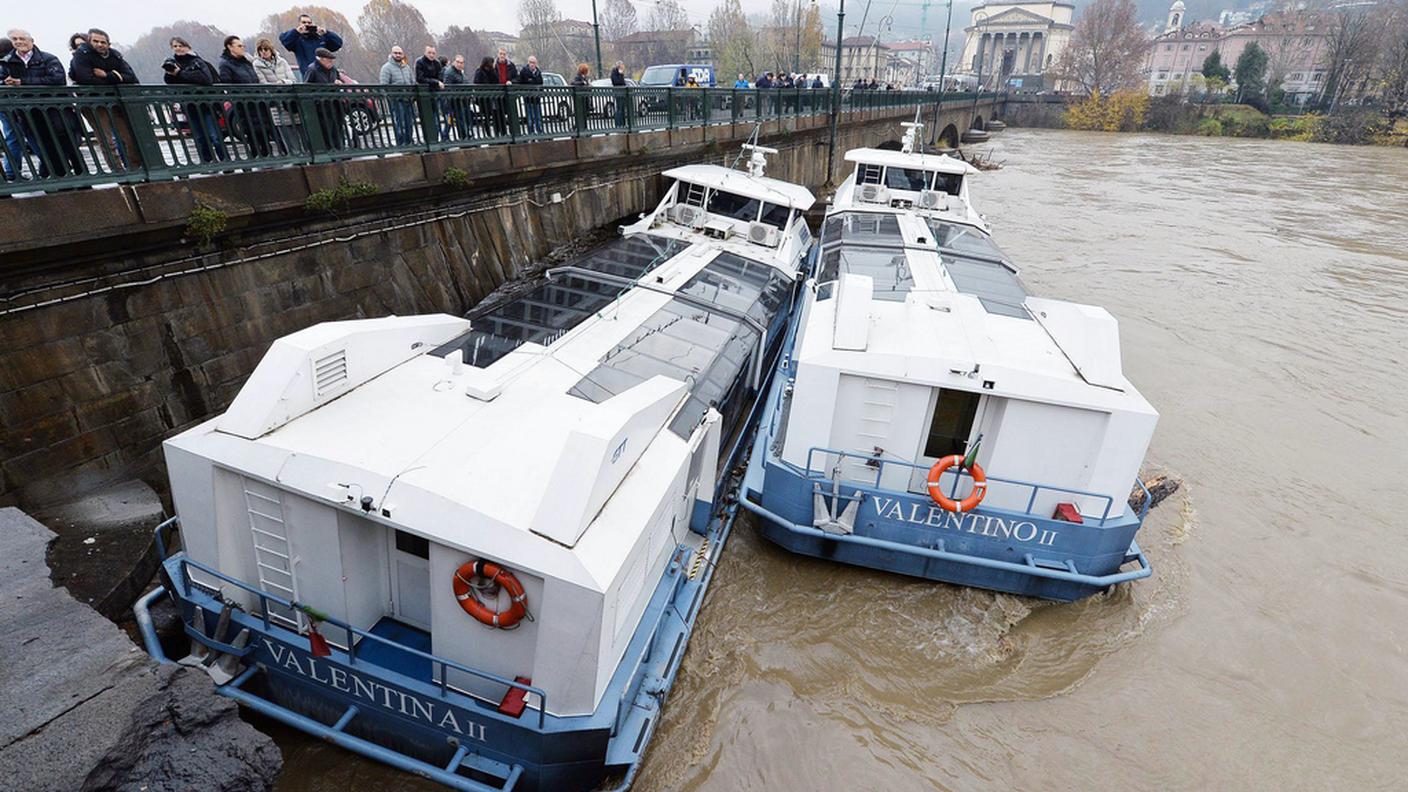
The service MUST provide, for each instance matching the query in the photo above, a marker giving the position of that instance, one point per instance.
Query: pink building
(1295, 44)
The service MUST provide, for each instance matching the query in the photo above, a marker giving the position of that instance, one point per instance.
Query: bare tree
(388, 23)
(669, 15)
(458, 40)
(734, 41)
(1107, 49)
(1394, 64)
(1287, 41)
(618, 19)
(1350, 52)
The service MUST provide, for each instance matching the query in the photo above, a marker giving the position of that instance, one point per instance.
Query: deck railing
(186, 584)
(78, 136)
(832, 460)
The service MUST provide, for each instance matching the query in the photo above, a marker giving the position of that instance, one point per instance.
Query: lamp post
(980, 17)
(596, 34)
(886, 23)
(835, 92)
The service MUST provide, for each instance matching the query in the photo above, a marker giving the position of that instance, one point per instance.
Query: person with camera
(305, 40)
(185, 67)
(97, 63)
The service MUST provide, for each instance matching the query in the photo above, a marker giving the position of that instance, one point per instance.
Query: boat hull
(909, 534)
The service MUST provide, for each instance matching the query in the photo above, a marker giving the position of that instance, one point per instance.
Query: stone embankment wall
(103, 354)
(1042, 112)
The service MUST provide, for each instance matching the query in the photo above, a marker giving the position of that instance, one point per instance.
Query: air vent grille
(329, 373)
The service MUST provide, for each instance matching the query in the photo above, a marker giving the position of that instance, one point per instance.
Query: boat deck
(394, 658)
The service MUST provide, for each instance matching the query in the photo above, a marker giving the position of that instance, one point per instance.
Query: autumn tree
(734, 42)
(1107, 49)
(389, 23)
(154, 47)
(458, 40)
(1213, 67)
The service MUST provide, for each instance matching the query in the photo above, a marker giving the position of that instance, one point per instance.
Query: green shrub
(205, 222)
(1208, 127)
(330, 200)
(456, 177)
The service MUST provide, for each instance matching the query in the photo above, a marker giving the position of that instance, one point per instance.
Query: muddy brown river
(1262, 293)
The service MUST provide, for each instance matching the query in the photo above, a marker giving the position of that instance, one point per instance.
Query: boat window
(948, 182)
(867, 173)
(862, 227)
(887, 269)
(710, 351)
(412, 544)
(951, 423)
(965, 240)
(728, 204)
(996, 287)
(907, 179)
(775, 215)
(542, 315)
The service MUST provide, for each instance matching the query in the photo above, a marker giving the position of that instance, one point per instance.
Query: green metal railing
(76, 136)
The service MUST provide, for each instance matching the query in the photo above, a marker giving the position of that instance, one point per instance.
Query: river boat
(933, 418)
(475, 548)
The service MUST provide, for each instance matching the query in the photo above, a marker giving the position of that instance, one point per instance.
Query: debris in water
(1160, 486)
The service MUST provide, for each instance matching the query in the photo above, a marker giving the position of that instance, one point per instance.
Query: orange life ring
(980, 485)
(503, 619)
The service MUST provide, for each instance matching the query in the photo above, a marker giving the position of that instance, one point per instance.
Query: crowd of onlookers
(51, 139)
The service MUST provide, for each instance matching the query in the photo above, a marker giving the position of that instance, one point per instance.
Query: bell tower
(1175, 16)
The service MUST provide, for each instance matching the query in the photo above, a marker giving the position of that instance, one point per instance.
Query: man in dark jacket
(332, 113)
(532, 104)
(619, 84)
(97, 63)
(51, 132)
(305, 40)
(457, 103)
(185, 67)
(430, 72)
(504, 69)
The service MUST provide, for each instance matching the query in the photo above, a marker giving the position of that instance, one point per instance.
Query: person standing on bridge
(484, 75)
(247, 118)
(51, 132)
(619, 85)
(97, 63)
(459, 115)
(396, 71)
(305, 40)
(430, 72)
(332, 113)
(185, 67)
(274, 70)
(532, 105)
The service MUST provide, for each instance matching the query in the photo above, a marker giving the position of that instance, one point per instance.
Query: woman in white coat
(274, 70)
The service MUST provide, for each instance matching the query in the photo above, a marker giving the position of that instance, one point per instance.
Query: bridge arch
(978, 123)
(949, 137)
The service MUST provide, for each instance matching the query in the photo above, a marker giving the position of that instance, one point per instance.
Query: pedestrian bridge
(79, 136)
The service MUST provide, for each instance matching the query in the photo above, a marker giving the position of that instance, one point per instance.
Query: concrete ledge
(65, 214)
(644, 142)
(602, 146)
(390, 173)
(542, 153)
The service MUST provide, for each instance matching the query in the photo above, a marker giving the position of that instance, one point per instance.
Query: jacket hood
(393, 62)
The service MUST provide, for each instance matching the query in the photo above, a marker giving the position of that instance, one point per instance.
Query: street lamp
(835, 92)
(596, 34)
(980, 17)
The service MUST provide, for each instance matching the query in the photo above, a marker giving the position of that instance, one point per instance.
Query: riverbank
(1134, 111)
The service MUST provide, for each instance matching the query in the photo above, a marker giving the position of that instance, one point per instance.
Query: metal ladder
(273, 555)
(876, 414)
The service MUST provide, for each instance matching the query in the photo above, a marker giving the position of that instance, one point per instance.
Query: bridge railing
(77, 136)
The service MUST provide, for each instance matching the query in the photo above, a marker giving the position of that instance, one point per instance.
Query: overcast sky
(125, 21)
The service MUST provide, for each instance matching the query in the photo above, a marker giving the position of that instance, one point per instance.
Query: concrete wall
(102, 355)
(1041, 112)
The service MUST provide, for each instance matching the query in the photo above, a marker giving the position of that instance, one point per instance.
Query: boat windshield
(542, 315)
(862, 228)
(965, 240)
(888, 269)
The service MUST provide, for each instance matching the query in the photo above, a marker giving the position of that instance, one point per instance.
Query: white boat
(475, 548)
(935, 419)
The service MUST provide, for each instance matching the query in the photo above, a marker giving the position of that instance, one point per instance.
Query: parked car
(608, 108)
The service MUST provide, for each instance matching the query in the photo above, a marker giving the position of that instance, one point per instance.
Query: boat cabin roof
(763, 188)
(941, 163)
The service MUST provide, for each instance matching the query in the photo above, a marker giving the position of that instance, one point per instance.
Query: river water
(1262, 293)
